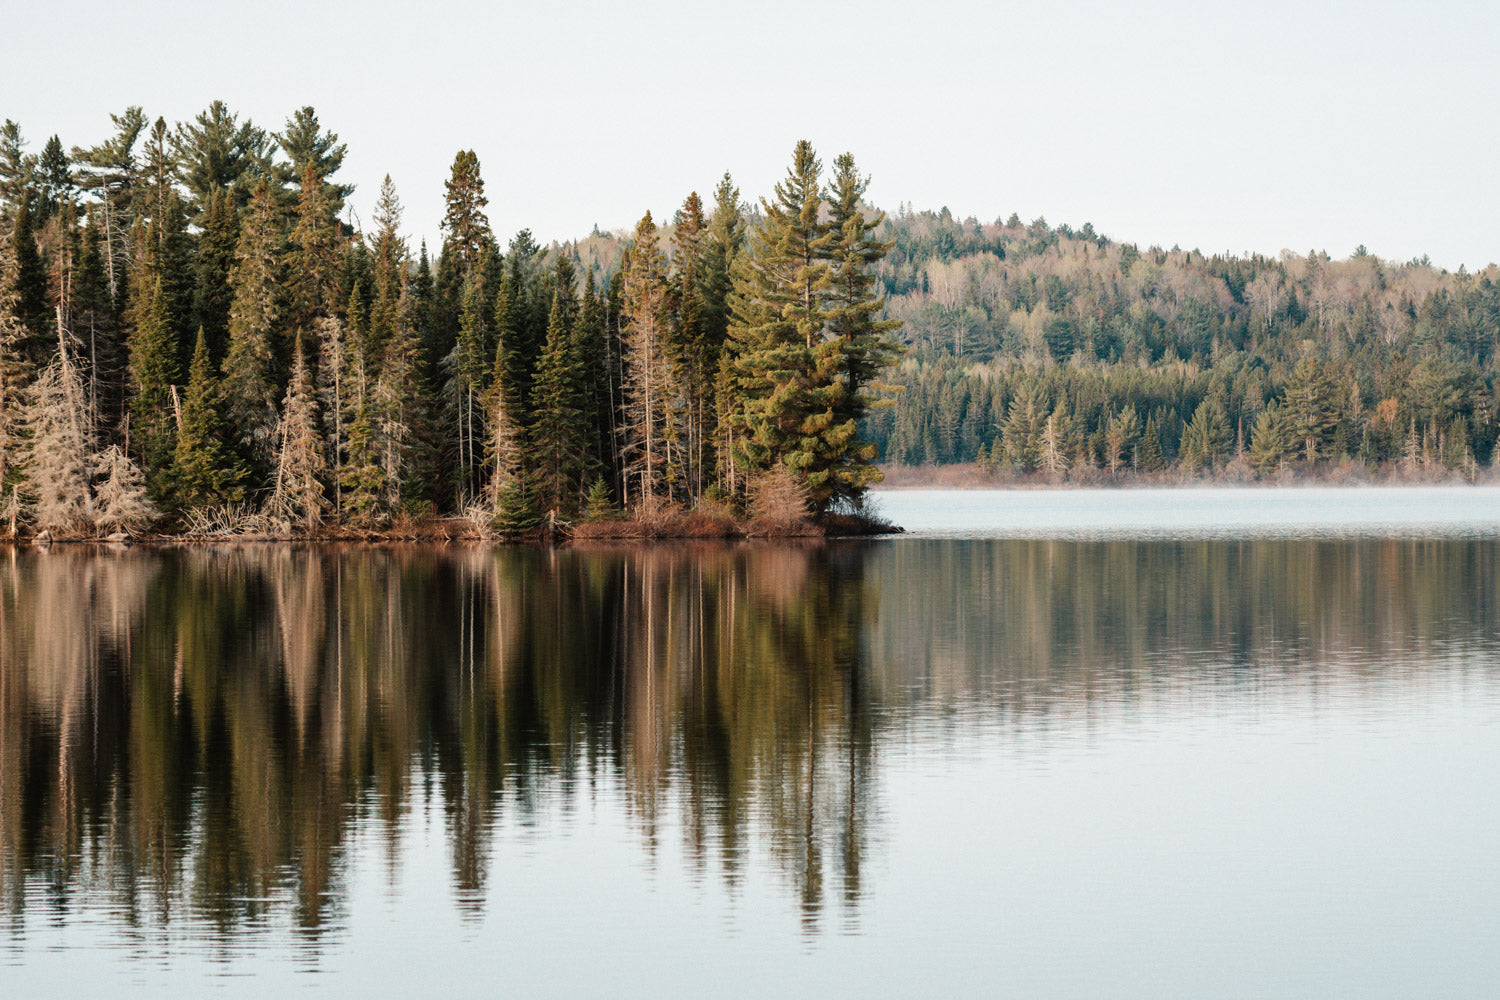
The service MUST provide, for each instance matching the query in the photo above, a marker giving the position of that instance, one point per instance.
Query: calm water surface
(1126, 743)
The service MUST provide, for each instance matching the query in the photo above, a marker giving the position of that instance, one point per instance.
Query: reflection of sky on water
(1202, 512)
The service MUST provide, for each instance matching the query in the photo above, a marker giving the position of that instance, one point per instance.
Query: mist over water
(1105, 765)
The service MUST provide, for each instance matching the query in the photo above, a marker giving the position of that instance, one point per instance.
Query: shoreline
(675, 527)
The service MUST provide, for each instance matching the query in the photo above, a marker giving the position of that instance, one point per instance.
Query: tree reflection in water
(204, 734)
(202, 731)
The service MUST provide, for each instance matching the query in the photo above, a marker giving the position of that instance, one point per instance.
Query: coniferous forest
(195, 338)
(196, 335)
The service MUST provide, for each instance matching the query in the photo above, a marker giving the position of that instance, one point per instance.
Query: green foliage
(205, 470)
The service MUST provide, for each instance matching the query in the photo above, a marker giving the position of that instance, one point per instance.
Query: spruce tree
(557, 443)
(1151, 458)
(205, 468)
(213, 295)
(153, 373)
(389, 266)
(466, 230)
(250, 368)
(29, 282)
(313, 254)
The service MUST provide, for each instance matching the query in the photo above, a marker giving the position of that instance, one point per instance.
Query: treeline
(191, 336)
(1058, 352)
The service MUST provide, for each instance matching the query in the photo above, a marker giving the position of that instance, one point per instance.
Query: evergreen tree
(29, 283)
(308, 147)
(1120, 437)
(216, 151)
(783, 404)
(213, 294)
(1308, 406)
(1270, 441)
(54, 177)
(863, 343)
(389, 273)
(504, 443)
(1205, 441)
(313, 258)
(205, 469)
(399, 401)
(362, 476)
(557, 443)
(465, 227)
(250, 368)
(153, 373)
(1151, 458)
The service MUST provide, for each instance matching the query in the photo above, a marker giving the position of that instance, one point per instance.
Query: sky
(1226, 127)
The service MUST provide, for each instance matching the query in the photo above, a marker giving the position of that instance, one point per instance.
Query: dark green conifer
(205, 470)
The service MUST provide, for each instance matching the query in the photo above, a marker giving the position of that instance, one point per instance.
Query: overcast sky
(1251, 126)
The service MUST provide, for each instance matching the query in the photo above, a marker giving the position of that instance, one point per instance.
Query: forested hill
(1049, 349)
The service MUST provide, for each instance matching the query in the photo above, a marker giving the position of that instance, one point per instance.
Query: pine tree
(783, 401)
(300, 462)
(308, 147)
(1308, 406)
(216, 151)
(15, 371)
(503, 445)
(467, 364)
(250, 369)
(362, 476)
(205, 469)
(1120, 437)
(1021, 434)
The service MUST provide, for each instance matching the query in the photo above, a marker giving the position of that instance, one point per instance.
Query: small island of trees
(194, 341)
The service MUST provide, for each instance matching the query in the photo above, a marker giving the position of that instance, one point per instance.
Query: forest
(198, 335)
(1055, 353)
(195, 337)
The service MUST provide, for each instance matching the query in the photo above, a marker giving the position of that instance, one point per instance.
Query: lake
(1131, 743)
